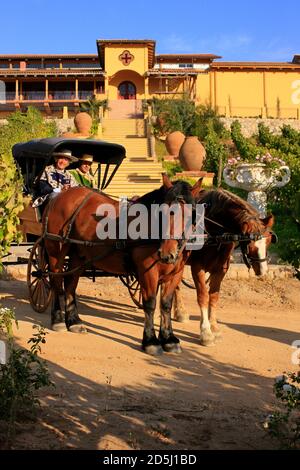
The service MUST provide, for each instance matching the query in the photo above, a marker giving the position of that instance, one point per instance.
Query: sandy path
(111, 395)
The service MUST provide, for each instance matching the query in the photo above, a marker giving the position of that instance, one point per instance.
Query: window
(186, 66)
(78, 65)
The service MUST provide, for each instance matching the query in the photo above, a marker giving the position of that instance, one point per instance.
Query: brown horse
(72, 215)
(224, 213)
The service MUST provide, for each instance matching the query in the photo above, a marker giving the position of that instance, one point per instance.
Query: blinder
(274, 237)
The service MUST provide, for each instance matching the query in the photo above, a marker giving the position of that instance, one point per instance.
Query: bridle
(242, 241)
(182, 241)
(248, 259)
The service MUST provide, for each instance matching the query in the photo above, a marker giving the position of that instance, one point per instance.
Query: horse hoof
(78, 328)
(59, 327)
(182, 318)
(218, 335)
(207, 339)
(153, 349)
(172, 348)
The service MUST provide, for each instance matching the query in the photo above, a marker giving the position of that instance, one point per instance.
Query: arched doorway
(127, 91)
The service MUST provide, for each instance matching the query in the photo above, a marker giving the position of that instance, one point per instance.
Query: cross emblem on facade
(126, 57)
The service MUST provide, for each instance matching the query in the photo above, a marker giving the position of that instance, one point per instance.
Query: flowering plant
(285, 425)
(267, 159)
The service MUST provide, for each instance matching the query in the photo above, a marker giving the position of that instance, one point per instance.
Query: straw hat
(86, 158)
(65, 154)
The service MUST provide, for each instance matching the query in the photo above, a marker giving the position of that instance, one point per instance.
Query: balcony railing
(10, 95)
(33, 95)
(53, 95)
(85, 94)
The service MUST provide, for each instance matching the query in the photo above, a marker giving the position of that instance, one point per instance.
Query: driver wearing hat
(82, 174)
(56, 178)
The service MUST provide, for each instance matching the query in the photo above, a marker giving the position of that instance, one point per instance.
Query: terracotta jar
(83, 123)
(173, 142)
(192, 154)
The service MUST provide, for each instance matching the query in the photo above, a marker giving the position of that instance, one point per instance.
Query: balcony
(53, 96)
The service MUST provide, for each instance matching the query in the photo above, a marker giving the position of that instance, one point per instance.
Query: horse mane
(159, 196)
(220, 200)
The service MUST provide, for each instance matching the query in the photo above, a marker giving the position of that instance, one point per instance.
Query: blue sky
(262, 30)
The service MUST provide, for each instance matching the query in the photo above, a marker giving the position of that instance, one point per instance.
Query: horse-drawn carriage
(31, 158)
(229, 221)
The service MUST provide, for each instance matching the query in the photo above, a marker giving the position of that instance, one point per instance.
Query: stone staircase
(125, 109)
(139, 173)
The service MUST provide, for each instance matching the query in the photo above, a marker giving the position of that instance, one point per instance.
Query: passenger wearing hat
(82, 174)
(56, 178)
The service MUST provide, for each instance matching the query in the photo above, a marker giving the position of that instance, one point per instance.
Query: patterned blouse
(53, 178)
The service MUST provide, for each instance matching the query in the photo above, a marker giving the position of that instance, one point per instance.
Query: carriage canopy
(33, 156)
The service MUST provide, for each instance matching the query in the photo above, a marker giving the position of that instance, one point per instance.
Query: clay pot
(173, 142)
(192, 154)
(83, 123)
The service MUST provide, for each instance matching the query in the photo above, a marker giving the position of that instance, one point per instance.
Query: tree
(20, 127)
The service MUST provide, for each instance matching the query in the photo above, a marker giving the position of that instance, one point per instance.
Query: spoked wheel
(188, 283)
(134, 289)
(38, 283)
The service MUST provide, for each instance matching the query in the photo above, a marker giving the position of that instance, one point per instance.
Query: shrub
(177, 115)
(22, 376)
(283, 202)
(285, 425)
(21, 127)
(215, 152)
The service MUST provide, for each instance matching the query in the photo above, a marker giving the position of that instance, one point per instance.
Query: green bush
(285, 425)
(183, 115)
(215, 151)
(171, 168)
(283, 202)
(206, 121)
(22, 376)
(177, 115)
(21, 127)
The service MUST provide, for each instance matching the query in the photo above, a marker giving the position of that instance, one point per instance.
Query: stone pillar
(46, 89)
(146, 88)
(264, 112)
(106, 86)
(76, 88)
(65, 112)
(17, 90)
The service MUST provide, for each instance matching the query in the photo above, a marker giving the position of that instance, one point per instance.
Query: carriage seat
(30, 220)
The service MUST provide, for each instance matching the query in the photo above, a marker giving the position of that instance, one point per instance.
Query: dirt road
(111, 395)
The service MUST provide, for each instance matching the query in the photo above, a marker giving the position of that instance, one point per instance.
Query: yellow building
(129, 70)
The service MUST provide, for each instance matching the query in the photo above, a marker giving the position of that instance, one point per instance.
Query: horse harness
(241, 241)
(118, 245)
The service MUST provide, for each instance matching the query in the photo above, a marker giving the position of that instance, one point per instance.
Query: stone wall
(64, 125)
(249, 125)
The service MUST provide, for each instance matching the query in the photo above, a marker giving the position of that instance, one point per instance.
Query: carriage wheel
(40, 292)
(188, 283)
(134, 289)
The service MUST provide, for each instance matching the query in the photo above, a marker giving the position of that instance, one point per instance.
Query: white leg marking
(261, 247)
(205, 324)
